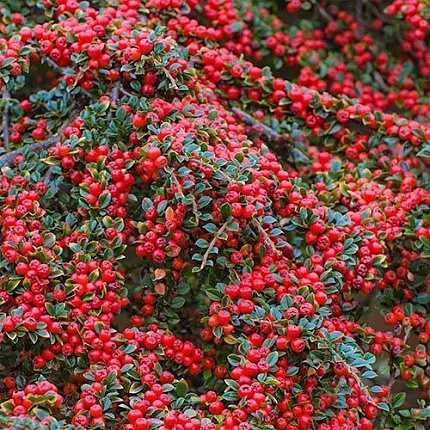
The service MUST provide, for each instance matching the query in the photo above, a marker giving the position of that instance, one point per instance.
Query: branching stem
(181, 192)
(393, 374)
(212, 244)
(270, 134)
(268, 240)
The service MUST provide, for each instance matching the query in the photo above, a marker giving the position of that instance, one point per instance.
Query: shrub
(214, 215)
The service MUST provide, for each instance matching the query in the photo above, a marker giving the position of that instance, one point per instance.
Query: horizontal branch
(9, 158)
(270, 134)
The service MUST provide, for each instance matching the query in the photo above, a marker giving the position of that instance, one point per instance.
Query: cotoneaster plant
(214, 215)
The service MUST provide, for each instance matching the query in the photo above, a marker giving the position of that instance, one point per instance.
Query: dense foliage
(214, 215)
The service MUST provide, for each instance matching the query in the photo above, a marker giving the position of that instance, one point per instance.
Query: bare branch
(359, 10)
(9, 158)
(48, 175)
(181, 192)
(322, 10)
(54, 65)
(354, 374)
(170, 78)
(115, 93)
(380, 80)
(214, 169)
(268, 240)
(212, 244)
(124, 91)
(351, 369)
(270, 134)
(393, 374)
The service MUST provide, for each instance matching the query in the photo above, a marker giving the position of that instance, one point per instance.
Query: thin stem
(115, 93)
(220, 172)
(54, 65)
(9, 158)
(170, 78)
(324, 13)
(393, 374)
(353, 372)
(268, 240)
(48, 175)
(212, 244)
(376, 11)
(115, 97)
(270, 134)
(181, 192)
(359, 10)
(124, 91)
(6, 119)
(380, 80)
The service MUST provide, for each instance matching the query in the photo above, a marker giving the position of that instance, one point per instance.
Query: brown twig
(380, 80)
(267, 238)
(48, 175)
(170, 78)
(8, 159)
(359, 10)
(324, 13)
(216, 170)
(6, 119)
(376, 11)
(125, 92)
(212, 244)
(322, 10)
(114, 97)
(270, 134)
(393, 374)
(115, 93)
(392, 379)
(353, 372)
(181, 192)
(54, 65)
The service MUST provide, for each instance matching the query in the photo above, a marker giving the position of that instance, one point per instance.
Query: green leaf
(272, 358)
(384, 407)
(214, 294)
(398, 400)
(225, 210)
(181, 388)
(177, 302)
(104, 200)
(49, 240)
